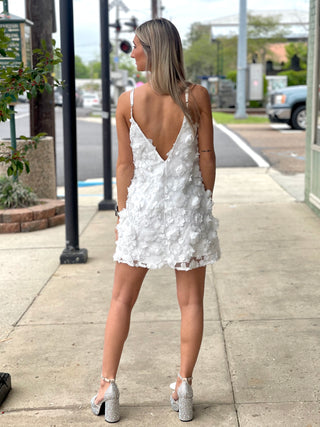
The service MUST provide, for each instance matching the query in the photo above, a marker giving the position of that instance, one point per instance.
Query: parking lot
(281, 146)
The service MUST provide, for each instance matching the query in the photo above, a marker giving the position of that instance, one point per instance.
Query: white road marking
(245, 147)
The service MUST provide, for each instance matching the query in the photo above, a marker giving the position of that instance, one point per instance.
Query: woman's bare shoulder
(200, 94)
(201, 97)
(123, 105)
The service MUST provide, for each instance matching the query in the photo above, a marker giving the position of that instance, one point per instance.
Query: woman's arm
(205, 138)
(125, 167)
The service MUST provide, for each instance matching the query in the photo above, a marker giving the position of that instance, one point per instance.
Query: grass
(228, 119)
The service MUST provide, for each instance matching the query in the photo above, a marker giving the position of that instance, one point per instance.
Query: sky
(181, 12)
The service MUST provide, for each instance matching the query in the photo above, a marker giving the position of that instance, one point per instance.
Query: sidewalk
(259, 364)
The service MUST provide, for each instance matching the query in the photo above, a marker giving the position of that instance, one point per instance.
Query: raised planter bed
(42, 176)
(48, 213)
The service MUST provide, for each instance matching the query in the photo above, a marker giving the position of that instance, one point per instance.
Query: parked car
(23, 97)
(79, 98)
(58, 96)
(91, 100)
(288, 105)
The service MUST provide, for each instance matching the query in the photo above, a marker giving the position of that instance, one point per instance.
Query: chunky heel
(184, 404)
(110, 403)
(185, 409)
(112, 411)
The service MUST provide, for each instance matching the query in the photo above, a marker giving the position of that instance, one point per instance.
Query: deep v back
(149, 140)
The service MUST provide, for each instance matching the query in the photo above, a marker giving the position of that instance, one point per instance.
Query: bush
(255, 104)
(15, 195)
(232, 75)
(295, 77)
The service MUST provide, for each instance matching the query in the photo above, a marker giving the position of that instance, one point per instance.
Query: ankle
(186, 379)
(105, 382)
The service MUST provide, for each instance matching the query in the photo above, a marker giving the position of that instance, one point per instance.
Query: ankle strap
(107, 379)
(184, 379)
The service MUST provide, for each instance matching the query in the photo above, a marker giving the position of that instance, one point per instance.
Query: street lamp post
(71, 254)
(5, 6)
(242, 63)
(219, 69)
(107, 203)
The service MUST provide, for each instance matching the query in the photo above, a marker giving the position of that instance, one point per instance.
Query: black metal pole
(71, 254)
(5, 6)
(108, 203)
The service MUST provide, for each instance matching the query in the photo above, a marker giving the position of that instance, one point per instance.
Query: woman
(165, 178)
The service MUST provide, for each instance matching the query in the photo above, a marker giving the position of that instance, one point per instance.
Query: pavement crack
(224, 325)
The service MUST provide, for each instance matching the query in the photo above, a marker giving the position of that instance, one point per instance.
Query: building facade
(312, 175)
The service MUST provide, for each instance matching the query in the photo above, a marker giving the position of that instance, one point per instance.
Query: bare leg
(126, 288)
(190, 290)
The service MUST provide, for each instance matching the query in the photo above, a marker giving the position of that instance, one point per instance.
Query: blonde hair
(162, 44)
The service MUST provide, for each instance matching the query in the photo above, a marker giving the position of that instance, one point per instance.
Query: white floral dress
(168, 217)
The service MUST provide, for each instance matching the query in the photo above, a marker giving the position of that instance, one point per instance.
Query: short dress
(168, 218)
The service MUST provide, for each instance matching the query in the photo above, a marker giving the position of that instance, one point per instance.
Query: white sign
(255, 82)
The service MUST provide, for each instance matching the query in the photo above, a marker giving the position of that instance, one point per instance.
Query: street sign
(18, 30)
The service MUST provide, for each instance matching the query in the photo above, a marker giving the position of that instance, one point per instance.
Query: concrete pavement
(259, 364)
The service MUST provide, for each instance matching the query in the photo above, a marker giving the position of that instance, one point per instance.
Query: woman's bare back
(159, 118)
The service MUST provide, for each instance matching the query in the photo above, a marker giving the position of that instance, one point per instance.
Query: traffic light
(125, 46)
(116, 25)
(133, 23)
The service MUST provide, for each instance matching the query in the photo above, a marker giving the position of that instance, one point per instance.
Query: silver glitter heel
(109, 404)
(184, 405)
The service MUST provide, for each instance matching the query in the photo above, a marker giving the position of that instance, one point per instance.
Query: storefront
(312, 176)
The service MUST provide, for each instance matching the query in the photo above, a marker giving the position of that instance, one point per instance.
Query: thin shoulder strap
(187, 96)
(131, 101)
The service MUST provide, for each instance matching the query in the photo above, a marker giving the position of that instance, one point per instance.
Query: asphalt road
(89, 145)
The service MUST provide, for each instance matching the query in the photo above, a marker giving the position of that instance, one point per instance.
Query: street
(280, 147)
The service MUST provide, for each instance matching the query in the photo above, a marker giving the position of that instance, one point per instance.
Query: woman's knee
(190, 287)
(127, 285)
(124, 296)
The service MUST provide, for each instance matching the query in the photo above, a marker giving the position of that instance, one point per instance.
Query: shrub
(15, 195)
(295, 77)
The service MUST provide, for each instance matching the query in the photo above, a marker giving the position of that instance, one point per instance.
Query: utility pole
(154, 9)
(118, 4)
(42, 14)
(242, 62)
(117, 38)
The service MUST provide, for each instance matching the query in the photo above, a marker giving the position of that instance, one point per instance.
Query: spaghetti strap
(131, 102)
(187, 96)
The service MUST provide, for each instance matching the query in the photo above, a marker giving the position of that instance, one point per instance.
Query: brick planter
(48, 214)
(42, 176)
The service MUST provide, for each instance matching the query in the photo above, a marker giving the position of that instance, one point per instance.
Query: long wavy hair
(162, 45)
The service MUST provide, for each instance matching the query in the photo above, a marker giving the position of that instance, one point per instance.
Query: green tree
(81, 70)
(197, 31)
(261, 31)
(95, 69)
(229, 52)
(200, 53)
(126, 63)
(14, 81)
(301, 50)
